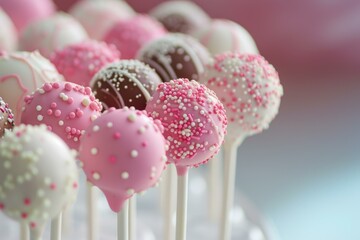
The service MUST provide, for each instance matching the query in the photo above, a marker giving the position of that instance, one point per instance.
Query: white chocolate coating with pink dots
(66, 108)
(38, 175)
(21, 73)
(123, 152)
(194, 121)
(250, 89)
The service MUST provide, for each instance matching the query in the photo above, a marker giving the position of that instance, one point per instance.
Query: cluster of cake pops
(129, 95)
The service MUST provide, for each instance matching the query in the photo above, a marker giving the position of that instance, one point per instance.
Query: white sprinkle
(96, 176)
(40, 117)
(109, 125)
(134, 153)
(125, 175)
(85, 102)
(132, 117)
(96, 128)
(38, 108)
(61, 123)
(94, 151)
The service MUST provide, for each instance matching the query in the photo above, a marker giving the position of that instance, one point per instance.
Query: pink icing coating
(130, 35)
(123, 152)
(194, 121)
(66, 108)
(79, 62)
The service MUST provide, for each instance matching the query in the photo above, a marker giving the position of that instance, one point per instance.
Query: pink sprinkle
(53, 186)
(24, 215)
(117, 135)
(47, 87)
(75, 185)
(68, 129)
(70, 100)
(79, 113)
(27, 201)
(2, 206)
(88, 91)
(53, 105)
(73, 130)
(72, 115)
(49, 112)
(144, 144)
(68, 87)
(33, 225)
(112, 159)
(57, 113)
(56, 85)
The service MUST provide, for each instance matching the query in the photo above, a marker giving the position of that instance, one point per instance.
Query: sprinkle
(134, 153)
(94, 151)
(125, 175)
(96, 176)
(96, 128)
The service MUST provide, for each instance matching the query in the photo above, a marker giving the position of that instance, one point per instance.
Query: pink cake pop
(79, 62)
(6, 117)
(123, 152)
(23, 12)
(97, 17)
(194, 121)
(129, 35)
(38, 176)
(50, 34)
(66, 108)
(8, 34)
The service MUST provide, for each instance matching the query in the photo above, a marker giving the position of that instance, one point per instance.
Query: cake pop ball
(180, 16)
(194, 121)
(129, 35)
(98, 17)
(23, 12)
(38, 176)
(128, 83)
(250, 89)
(6, 118)
(66, 109)
(21, 73)
(50, 34)
(123, 152)
(79, 62)
(175, 56)
(8, 34)
(224, 35)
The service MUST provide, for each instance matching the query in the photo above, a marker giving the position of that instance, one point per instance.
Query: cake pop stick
(169, 201)
(250, 90)
(214, 187)
(132, 217)
(92, 198)
(24, 231)
(195, 122)
(123, 222)
(55, 231)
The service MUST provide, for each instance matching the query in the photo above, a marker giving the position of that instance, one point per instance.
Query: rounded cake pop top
(6, 118)
(250, 89)
(129, 35)
(38, 175)
(180, 16)
(224, 35)
(66, 108)
(125, 83)
(51, 34)
(97, 17)
(175, 56)
(21, 73)
(79, 62)
(23, 12)
(194, 121)
(123, 152)
(8, 34)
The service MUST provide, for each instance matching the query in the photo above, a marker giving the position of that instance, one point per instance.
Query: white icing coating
(8, 34)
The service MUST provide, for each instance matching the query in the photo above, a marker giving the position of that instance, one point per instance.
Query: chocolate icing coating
(6, 117)
(127, 83)
(175, 56)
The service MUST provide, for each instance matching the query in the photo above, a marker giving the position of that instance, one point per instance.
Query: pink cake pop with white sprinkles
(250, 89)
(123, 152)
(194, 121)
(79, 62)
(66, 108)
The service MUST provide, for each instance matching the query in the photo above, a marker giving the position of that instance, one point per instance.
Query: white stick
(132, 217)
(169, 202)
(92, 219)
(214, 187)
(123, 222)
(56, 228)
(24, 231)
(36, 233)
(230, 152)
(181, 212)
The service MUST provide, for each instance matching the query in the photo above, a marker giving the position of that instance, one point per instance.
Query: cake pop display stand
(248, 223)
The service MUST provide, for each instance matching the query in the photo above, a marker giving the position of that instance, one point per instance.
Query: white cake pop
(8, 34)
(38, 176)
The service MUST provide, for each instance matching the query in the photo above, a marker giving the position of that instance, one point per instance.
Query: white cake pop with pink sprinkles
(123, 152)
(194, 120)
(250, 89)
(66, 108)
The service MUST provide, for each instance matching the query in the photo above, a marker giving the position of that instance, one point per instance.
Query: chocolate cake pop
(6, 118)
(175, 56)
(125, 83)
(79, 62)
(66, 108)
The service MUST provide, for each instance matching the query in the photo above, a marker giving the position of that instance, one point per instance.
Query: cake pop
(125, 83)
(66, 108)
(250, 89)
(97, 17)
(6, 118)
(224, 35)
(24, 12)
(194, 124)
(79, 62)
(8, 34)
(180, 16)
(129, 35)
(174, 56)
(22, 73)
(50, 34)
(123, 152)
(38, 176)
